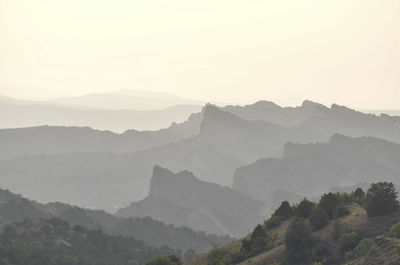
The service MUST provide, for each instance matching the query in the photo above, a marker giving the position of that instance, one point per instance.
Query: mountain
(15, 208)
(183, 199)
(311, 169)
(327, 120)
(125, 99)
(19, 115)
(249, 140)
(63, 140)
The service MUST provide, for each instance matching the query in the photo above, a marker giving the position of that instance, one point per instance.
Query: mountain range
(98, 169)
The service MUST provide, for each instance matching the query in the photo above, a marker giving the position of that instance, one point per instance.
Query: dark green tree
(359, 194)
(319, 218)
(304, 209)
(298, 241)
(284, 211)
(381, 198)
(328, 202)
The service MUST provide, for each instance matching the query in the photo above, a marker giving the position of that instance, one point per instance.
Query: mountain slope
(315, 168)
(15, 208)
(182, 199)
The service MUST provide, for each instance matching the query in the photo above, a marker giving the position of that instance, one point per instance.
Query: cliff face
(182, 199)
(314, 168)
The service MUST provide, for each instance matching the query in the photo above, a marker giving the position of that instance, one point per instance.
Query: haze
(346, 52)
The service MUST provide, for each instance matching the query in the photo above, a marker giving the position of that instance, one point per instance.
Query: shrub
(318, 218)
(348, 241)
(360, 250)
(341, 210)
(304, 209)
(395, 230)
(381, 198)
(337, 229)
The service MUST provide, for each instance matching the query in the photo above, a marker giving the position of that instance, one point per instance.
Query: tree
(298, 241)
(328, 202)
(162, 261)
(9, 232)
(318, 218)
(359, 194)
(284, 211)
(304, 209)
(381, 198)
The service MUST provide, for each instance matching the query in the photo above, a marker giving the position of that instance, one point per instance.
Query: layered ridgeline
(15, 208)
(116, 111)
(311, 169)
(92, 172)
(182, 199)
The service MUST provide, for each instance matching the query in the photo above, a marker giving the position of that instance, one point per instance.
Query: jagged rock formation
(182, 199)
(312, 169)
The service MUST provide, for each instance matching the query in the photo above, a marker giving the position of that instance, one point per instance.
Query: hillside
(15, 208)
(54, 242)
(182, 199)
(295, 235)
(312, 169)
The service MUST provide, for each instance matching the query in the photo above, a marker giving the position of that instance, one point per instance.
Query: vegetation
(304, 208)
(381, 198)
(54, 242)
(395, 231)
(298, 241)
(165, 260)
(318, 233)
(319, 218)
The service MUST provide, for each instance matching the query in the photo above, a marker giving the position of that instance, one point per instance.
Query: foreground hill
(182, 199)
(360, 231)
(15, 208)
(312, 169)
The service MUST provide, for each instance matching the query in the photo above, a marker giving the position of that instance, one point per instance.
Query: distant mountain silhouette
(312, 169)
(20, 115)
(125, 99)
(182, 199)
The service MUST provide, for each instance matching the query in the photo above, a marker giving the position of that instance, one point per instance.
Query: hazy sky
(347, 51)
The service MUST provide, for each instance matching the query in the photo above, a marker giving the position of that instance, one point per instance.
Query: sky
(343, 51)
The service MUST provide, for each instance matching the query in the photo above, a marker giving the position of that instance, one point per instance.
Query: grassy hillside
(354, 234)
